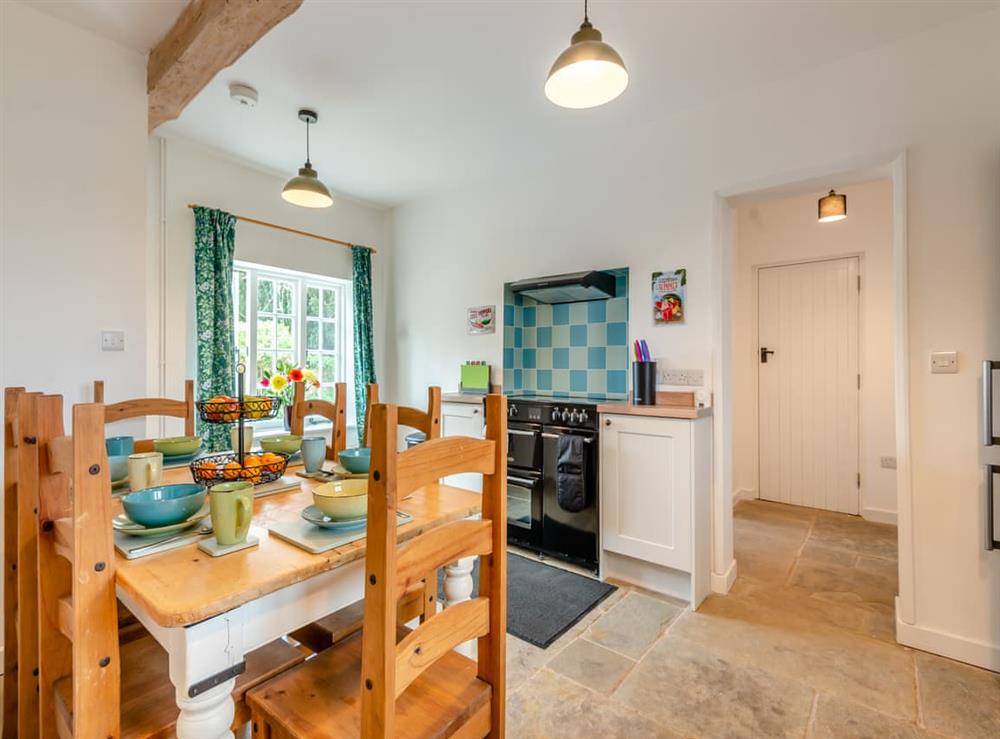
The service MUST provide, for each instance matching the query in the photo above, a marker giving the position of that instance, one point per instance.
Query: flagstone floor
(802, 647)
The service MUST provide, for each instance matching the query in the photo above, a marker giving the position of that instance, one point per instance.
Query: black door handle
(764, 352)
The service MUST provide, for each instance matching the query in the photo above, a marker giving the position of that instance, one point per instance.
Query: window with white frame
(292, 319)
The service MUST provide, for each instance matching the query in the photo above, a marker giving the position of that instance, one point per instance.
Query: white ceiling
(416, 96)
(136, 24)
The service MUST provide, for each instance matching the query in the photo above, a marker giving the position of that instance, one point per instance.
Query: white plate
(315, 516)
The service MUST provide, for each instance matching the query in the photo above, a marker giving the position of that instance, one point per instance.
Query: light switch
(112, 341)
(944, 363)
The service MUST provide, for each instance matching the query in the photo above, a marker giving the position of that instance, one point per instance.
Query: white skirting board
(744, 494)
(879, 515)
(980, 654)
(723, 583)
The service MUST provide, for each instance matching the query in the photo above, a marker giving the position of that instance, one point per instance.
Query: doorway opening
(812, 392)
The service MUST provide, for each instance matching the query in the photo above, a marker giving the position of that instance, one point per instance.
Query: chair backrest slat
(335, 413)
(439, 547)
(142, 407)
(428, 421)
(422, 647)
(387, 669)
(448, 455)
(10, 551)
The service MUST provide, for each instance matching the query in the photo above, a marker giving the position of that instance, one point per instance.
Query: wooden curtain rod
(348, 244)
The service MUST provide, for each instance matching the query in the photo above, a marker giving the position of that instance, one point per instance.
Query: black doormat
(543, 602)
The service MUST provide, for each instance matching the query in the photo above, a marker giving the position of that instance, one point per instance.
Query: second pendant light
(587, 74)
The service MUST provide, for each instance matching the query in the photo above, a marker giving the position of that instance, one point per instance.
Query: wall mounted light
(832, 207)
(587, 74)
(306, 189)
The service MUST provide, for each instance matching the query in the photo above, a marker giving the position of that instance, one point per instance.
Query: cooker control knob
(573, 417)
(555, 414)
(565, 415)
(513, 410)
(583, 416)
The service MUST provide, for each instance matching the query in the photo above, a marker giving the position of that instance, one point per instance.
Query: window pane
(265, 333)
(241, 295)
(329, 373)
(329, 336)
(241, 338)
(312, 362)
(329, 304)
(327, 393)
(286, 361)
(312, 301)
(265, 296)
(265, 363)
(312, 334)
(285, 298)
(285, 339)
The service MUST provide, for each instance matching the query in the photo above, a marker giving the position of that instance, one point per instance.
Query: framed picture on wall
(482, 319)
(668, 296)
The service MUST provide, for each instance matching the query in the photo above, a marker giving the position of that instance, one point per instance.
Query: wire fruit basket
(229, 410)
(258, 467)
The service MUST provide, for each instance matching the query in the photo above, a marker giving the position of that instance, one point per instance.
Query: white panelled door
(808, 384)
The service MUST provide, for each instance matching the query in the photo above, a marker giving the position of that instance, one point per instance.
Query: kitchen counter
(668, 405)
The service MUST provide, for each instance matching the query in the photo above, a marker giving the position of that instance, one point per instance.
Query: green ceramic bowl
(165, 504)
(356, 459)
(342, 500)
(287, 443)
(177, 446)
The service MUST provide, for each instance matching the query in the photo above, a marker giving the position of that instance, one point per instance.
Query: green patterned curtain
(364, 344)
(214, 246)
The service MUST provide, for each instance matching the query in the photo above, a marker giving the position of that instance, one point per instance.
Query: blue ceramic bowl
(164, 505)
(119, 446)
(118, 467)
(356, 460)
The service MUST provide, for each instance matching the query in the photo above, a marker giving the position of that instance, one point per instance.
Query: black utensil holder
(644, 383)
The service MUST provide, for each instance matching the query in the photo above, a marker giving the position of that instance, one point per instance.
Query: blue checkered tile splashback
(571, 349)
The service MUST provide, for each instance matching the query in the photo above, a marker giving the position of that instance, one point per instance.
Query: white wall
(786, 230)
(192, 173)
(648, 202)
(73, 207)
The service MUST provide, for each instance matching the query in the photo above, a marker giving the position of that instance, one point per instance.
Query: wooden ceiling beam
(208, 36)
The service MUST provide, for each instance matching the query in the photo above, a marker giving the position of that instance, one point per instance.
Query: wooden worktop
(184, 586)
(669, 404)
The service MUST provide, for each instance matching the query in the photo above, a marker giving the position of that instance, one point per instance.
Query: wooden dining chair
(387, 682)
(141, 407)
(420, 601)
(335, 413)
(428, 421)
(76, 594)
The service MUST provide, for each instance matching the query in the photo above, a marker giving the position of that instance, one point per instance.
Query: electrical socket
(888, 463)
(112, 341)
(682, 377)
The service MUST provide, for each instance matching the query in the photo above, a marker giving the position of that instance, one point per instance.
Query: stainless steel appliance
(538, 427)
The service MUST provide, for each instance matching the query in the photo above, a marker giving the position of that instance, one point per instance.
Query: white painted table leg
(209, 715)
(457, 588)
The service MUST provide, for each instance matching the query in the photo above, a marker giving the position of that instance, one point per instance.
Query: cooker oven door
(524, 447)
(524, 509)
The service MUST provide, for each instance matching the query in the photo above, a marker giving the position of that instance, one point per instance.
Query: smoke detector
(243, 94)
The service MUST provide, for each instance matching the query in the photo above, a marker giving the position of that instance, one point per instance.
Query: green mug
(231, 504)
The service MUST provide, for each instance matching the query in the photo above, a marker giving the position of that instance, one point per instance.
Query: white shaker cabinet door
(646, 489)
(463, 419)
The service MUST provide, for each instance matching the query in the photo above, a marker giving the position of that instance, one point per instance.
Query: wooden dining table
(209, 612)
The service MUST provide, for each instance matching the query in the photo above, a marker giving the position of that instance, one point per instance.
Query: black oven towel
(571, 469)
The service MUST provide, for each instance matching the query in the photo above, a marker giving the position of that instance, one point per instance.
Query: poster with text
(668, 296)
(481, 319)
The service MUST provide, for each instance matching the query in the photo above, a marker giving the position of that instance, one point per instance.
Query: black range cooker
(552, 476)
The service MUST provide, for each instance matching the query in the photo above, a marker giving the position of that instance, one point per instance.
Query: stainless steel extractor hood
(572, 288)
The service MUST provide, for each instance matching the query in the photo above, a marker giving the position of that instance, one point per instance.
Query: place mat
(210, 545)
(124, 543)
(283, 483)
(313, 539)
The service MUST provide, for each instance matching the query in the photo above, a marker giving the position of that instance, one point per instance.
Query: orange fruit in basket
(231, 471)
(272, 461)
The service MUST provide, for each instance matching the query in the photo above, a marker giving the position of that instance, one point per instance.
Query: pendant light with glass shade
(587, 74)
(832, 207)
(306, 189)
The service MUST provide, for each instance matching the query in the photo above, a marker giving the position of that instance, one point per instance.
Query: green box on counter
(476, 379)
